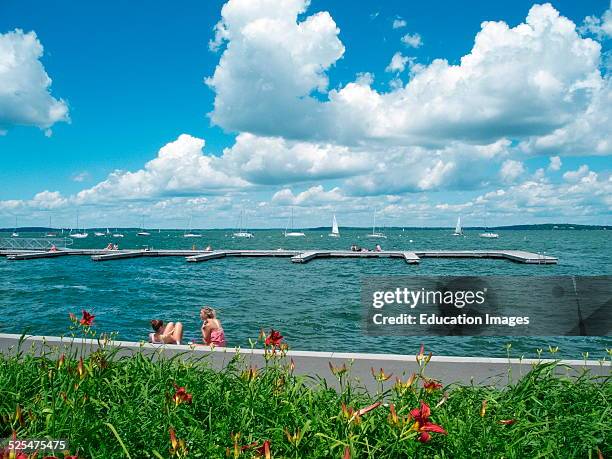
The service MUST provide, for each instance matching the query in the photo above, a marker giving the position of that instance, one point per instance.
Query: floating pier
(33, 255)
(305, 257)
(296, 256)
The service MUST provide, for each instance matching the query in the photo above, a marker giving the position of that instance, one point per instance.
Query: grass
(129, 407)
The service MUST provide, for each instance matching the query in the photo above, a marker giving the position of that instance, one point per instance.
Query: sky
(418, 111)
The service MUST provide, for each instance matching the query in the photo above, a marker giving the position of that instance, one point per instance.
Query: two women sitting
(172, 333)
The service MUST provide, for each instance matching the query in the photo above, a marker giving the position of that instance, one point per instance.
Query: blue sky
(132, 81)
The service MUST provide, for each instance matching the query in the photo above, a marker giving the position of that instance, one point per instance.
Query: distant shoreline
(542, 226)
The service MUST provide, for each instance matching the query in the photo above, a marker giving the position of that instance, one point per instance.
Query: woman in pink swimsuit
(212, 331)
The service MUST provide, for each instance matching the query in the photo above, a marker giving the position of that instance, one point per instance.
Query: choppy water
(316, 305)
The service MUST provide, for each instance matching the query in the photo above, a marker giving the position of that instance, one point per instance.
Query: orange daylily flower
(339, 370)
(483, 409)
(81, 368)
(381, 376)
(421, 357)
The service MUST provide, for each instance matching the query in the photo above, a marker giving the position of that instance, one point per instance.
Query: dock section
(206, 257)
(34, 255)
(519, 256)
(118, 255)
(305, 257)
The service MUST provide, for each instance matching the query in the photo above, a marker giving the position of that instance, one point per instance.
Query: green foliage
(117, 407)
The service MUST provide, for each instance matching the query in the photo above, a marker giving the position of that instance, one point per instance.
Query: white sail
(458, 229)
(335, 232)
(15, 233)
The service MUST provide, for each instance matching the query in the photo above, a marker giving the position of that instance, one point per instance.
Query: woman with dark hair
(170, 333)
(212, 331)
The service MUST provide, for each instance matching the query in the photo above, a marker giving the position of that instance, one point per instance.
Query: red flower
(265, 449)
(181, 395)
(423, 425)
(274, 338)
(87, 319)
(431, 385)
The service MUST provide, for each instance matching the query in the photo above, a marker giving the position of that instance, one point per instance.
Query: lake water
(315, 305)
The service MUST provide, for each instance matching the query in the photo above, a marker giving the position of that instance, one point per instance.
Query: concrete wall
(464, 370)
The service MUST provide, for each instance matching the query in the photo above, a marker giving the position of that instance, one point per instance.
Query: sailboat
(99, 233)
(374, 234)
(49, 233)
(289, 230)
(142, 231)
(117, 234)
(78, 235)
(488, 234)
(458, 229)
(242, 231)
(334, 232)
(15, 233)
(189, 233)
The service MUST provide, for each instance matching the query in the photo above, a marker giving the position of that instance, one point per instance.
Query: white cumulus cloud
(274, 160)
(412, 40)
(511, 170)
(555, 163)
(398, 63)
(398, 23)
(271, 64)
(314, 196)
(538, 82)
(25, 97)
(180, 168)
(601, 27)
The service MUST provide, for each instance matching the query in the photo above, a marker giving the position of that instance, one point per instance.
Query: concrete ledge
(463, 370)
